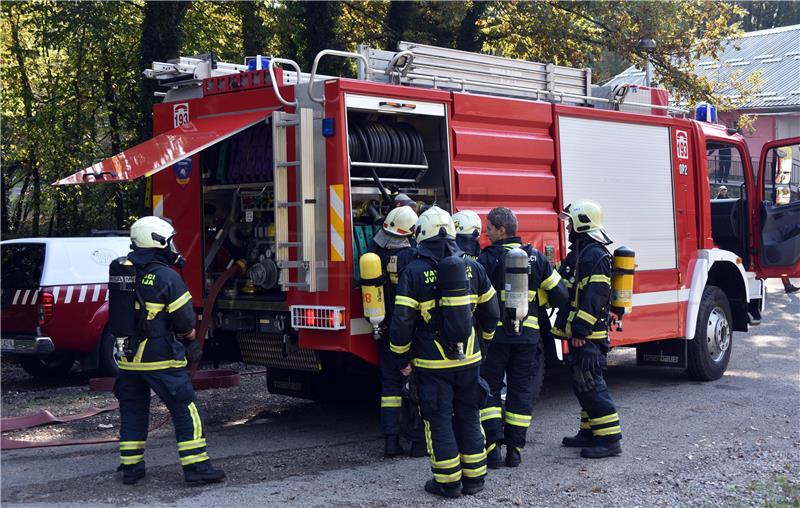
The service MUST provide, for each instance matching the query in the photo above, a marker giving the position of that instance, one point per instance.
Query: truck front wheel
(710, 350)
(53, 366)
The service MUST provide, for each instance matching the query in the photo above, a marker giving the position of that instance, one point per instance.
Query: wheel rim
(718, 334)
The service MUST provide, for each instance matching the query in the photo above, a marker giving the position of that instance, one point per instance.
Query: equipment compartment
(396, 146)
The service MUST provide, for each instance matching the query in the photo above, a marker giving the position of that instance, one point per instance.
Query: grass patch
(777, 492)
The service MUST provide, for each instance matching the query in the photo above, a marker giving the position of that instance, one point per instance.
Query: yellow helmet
(400, 221)
(431, 222)
(467, 223)
(586, 216)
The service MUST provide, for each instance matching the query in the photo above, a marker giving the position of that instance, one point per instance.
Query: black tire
(53, 366)
(710, 349)
(106, 361)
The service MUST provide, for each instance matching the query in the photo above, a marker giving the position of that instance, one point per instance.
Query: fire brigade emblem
(180, 114)
(183, 171)
(682, 144)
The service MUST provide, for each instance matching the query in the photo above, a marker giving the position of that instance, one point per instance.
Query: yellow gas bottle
(622, 281)
(372, 291)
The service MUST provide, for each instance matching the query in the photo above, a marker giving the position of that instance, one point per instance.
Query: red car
(54, 303)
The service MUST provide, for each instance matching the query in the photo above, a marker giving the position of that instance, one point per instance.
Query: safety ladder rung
(287, 164)
(295, 284)
(289, 244)
(286, 204)
(292, 264)
(287, 123)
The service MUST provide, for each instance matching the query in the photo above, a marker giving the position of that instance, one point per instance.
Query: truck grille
(267, 349)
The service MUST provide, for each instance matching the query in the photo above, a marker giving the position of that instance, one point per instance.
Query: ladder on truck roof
(421, 65)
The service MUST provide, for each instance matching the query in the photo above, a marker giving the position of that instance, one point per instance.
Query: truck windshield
(22, 265)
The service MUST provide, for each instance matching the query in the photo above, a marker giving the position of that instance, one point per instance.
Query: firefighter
(448, 376)
(584, 323)
(157, 360)
(515, 354)
(468, 231)
(392, 245)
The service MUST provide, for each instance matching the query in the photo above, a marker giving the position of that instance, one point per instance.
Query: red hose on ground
(208, 305)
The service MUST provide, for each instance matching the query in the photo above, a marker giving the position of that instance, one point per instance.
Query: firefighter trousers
(174, 388)
(598, 412)
(449, 402)
(519, 364)
(392, 402)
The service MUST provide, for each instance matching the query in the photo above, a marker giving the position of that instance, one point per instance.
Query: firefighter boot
(470, 488)
(202, 472)
(494, 457)
(513, 456)
(418, 449)
(583, 439)
(392, 447)
(601, 449)
(132, 474)
(438, 489)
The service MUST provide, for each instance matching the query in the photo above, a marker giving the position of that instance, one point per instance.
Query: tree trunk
(469, 37)
(253, 33)
(114, 129)
(400, 18)
(17, 217)
(161, 40)
(27, 101)
(5, 223)
(37, 197)
(320, 20)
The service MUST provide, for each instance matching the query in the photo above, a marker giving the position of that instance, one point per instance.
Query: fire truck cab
(292, 173)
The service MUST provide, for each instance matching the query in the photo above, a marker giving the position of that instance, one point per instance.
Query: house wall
(764, 130)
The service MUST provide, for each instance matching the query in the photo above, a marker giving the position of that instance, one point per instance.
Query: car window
(22, 265)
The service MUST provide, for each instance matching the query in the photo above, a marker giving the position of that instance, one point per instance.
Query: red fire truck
(291, 172)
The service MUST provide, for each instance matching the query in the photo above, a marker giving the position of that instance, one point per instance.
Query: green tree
(578, 33)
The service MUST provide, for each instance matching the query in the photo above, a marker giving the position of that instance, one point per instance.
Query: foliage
(73, 94)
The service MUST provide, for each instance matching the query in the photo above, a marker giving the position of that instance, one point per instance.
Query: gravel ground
(733, 442)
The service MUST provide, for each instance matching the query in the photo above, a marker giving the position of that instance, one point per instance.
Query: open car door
(167, 148)
(778, 216)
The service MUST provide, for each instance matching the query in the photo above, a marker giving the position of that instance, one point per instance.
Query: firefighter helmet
(400, 221)
(586, 216)
(431, 222)
(467, 223)
(152, 233)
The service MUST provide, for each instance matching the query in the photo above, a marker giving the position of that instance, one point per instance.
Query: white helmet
(152, 233)
(467, 223)
(586, 217)
(431, 222)
(400, 221)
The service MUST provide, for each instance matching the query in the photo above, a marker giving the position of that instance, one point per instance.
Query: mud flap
(663, 353)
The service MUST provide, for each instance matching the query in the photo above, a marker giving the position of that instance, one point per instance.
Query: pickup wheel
(710, 350)
(107, 363)
(53, 366)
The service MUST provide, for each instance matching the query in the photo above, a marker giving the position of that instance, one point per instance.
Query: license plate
(7, 344)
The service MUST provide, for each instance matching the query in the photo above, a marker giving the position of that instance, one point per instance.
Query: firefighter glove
(590, 359)
(194, 352)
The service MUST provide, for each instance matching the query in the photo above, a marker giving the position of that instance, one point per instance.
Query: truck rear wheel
(710, 350)
(53, 366)
(107, 362)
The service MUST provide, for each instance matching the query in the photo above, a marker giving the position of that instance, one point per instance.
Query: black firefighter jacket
(587, 273)
(544, 287)
(168, 310)
(416, 312)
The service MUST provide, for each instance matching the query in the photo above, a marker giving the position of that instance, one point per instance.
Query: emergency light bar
(317, 317)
